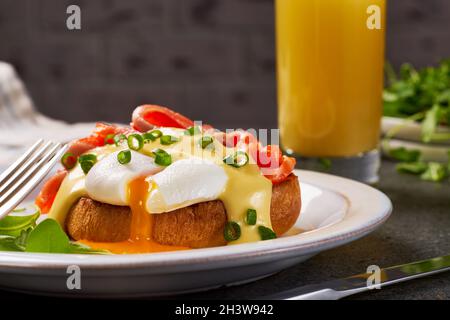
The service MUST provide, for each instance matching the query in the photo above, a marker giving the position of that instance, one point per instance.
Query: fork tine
(43, 167)
(12, 168)
(27, 173)
(25, 167)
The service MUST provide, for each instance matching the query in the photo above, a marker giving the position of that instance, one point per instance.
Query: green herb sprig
(421, 96)
(428, 171)
(424, 94)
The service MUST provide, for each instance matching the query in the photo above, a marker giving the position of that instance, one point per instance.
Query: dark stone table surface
(419, 228)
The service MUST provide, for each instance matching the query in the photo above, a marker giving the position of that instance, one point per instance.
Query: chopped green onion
(86, 166)
(87, 161)
(232, 231)
(237, 160)
(118, 138)
(205, 141)
(124, 156)
(167, 140)
(135, 142)
(109, 139)
(162, 158)
(250, 219)
(266, 233)
(87, 157)
(68, 160)
(192, 131)
(152, 135)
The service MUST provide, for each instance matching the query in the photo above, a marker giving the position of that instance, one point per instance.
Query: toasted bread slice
(197, 226)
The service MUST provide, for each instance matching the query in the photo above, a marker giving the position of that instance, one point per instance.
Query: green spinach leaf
(48, 237)
(405, 155)
(13, 225)
(80, 248)
(8, 243)
(435, 172)
(412, 167)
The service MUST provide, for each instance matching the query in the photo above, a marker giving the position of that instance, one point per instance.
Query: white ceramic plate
(335, 211)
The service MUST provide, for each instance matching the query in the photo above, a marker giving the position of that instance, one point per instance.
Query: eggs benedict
(166, 183)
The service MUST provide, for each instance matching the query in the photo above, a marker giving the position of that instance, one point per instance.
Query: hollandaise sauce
(192, 171)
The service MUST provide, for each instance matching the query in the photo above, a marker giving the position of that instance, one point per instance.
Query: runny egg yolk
(141, 221)
(140, 240)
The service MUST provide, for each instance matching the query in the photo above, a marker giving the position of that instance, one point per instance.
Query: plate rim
(204, 258)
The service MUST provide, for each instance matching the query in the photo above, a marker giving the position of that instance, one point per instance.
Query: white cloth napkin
(21, 125)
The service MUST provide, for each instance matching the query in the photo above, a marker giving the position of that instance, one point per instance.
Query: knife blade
(340, 288)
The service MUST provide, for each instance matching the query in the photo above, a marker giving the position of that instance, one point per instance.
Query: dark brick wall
(210, 59)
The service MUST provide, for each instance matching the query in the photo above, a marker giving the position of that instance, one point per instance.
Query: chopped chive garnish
(109, 139)
(152, 135)
(87, 161)
(250, 219)
(266, 233)
(162, 158)
(135, 142)
(232, 231)
(237, 160)
(68, 160)
(192, 131)
(88, 157)
(167, 140)
(118, 138)
(205, 141)
(124, 156)
(86, 166)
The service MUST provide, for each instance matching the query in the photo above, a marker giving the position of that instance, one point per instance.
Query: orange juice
(330, 56)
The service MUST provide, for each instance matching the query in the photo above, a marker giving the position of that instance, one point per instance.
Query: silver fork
(25, 173)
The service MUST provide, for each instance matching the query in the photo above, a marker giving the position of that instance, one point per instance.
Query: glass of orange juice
(330, 57)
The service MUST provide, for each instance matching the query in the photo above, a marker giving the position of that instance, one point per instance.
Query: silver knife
(340, 288)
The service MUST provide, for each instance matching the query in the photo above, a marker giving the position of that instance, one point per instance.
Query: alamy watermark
(374, 279)
(374, 20)
(73, 281)
(73, 21)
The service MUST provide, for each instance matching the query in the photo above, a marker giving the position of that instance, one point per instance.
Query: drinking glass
(330, 57)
